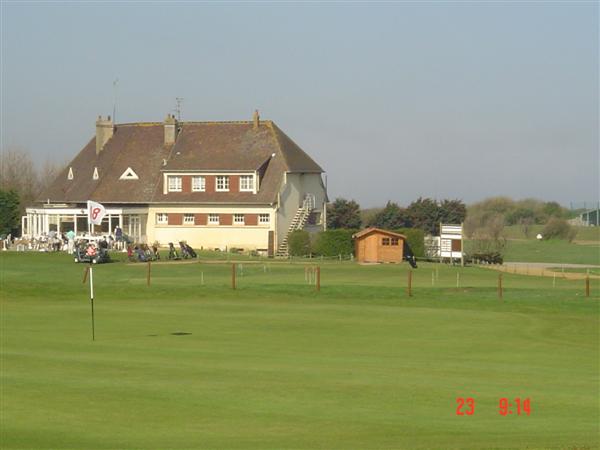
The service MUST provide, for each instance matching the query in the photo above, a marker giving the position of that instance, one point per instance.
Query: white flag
(96, 212)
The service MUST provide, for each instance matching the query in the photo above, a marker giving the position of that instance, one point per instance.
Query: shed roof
(371, 230)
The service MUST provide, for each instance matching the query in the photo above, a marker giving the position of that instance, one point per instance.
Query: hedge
(299, 243)
(334, 243)
(415, 237)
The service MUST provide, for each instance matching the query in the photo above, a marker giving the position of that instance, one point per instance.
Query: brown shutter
(455, 246)
(186, 184)
(251, 219)
(234, 183)
(225, 219)
(200, 219)
(211, 181)
(175, 218)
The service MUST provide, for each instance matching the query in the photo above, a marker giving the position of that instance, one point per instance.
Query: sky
(395, 100)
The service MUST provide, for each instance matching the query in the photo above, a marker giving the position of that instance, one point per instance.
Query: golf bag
(409, 256)
(186, 250)
(173, 252)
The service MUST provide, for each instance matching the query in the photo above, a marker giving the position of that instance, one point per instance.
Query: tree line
(21, 182)
(423, 213)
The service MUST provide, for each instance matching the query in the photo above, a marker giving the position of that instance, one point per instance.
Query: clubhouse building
(222, 185)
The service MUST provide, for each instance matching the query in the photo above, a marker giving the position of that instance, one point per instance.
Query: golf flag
(96, 212)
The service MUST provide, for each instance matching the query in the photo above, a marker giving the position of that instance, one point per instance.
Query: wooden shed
(377, 245)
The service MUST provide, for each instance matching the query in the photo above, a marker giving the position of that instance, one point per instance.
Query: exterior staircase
(298, 222)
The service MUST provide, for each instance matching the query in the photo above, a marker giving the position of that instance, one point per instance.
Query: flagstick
(92, 300)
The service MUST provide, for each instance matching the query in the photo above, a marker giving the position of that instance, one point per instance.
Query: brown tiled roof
(200, 146)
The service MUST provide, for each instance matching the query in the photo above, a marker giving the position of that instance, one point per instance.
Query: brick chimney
(170, 129)
(104, 131)
(255, 119)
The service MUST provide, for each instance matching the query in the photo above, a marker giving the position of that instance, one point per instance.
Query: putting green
(187, 362)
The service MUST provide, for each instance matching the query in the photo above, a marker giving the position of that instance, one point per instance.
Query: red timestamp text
(506, 407)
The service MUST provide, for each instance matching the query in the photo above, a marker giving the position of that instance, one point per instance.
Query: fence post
(587, 286)
(233, 270)
(500, 286)
(318, 278)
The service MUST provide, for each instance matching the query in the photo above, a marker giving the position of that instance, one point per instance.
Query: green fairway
(189, 362)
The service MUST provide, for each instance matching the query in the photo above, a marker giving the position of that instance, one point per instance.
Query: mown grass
(275, 364)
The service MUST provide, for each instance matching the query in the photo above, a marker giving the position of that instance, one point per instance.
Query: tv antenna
(115, 100)
(178, 102)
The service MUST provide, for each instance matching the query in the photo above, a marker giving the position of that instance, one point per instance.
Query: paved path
(544, 269)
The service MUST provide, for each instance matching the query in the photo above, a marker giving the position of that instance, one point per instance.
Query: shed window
(385, 241)
(394, 241)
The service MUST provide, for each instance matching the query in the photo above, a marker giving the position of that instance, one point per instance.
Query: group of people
(55, 241)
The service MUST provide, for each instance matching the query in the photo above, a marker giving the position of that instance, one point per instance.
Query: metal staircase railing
(297, 223)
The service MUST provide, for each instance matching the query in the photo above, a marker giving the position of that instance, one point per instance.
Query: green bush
(559, 229)
(334, 243)
(299, 243)
(415, 237)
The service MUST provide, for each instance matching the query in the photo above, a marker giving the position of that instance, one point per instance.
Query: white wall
(292, 194)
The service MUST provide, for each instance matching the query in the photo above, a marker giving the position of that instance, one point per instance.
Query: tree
(559, 229)
(391, 217)
(453, 211)
(424, 213)
(9, 211)
(343, 214)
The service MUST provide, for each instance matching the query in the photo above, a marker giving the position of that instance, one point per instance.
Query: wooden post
(500, 286)
(587, 286)
(409, 289)
(318, 278)
(233, 269)
(148, 275)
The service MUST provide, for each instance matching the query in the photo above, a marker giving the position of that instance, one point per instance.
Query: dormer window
(129, 174)
(222, 183)
(198, 184)
(70, 175)
(247, 183)
(174, 183)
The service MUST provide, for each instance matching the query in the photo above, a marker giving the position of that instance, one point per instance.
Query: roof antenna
(178, 101)
(115, 100)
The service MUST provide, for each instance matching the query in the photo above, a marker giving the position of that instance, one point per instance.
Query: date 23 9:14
(466, 406)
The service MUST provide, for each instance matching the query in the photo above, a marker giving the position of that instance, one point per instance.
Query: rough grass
(275, 365)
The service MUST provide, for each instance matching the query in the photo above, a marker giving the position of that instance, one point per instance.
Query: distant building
(590, 217)
(377, 245)
(213, 184)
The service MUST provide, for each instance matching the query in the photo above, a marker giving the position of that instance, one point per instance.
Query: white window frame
(198, 183)
(261, 219)
(224, 179)
(248, 180)
(186, 219)
(174, 183)
(211, 216)
(238, 222)
(162, 219)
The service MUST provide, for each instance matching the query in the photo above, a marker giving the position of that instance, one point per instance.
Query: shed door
(371, 248)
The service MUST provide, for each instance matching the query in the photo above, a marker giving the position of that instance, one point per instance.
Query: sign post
(92, 300)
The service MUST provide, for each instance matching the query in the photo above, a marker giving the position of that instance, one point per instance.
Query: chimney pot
(171, 129)
(255, 119)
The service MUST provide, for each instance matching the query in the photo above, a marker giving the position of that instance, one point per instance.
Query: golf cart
(91, 249)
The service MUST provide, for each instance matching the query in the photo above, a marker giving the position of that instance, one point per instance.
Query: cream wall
(291, 195)
(248, 237)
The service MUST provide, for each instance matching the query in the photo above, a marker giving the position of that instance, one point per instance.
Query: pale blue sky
(394, 100)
